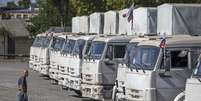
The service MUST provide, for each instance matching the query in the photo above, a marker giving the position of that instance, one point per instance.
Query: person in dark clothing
(22, 87)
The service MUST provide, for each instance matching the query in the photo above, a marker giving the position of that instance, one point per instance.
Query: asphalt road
(39, 88)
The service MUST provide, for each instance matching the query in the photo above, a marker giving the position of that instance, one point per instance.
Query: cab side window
(116, 51)
(119, 51)
(179, 59)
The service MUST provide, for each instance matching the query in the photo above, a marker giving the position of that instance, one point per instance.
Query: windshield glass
(58, 43)
(68, 47)
(198, 69)
(96, 49)
(45, 41)
(78, 48)
(145, 57)
(130, 51)
(37, 42)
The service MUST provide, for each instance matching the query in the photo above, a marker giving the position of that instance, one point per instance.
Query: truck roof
(114, 38)
(142, 38)
(175, 41)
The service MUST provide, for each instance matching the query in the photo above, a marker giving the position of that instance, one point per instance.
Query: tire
(114, 94)
(79, 93)
(180, 97)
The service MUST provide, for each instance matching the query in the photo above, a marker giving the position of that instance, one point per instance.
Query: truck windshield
(78, 48)
(96, 50)
(58, 43)
(198, 69)
(68, 47)
(130, 51)
(46, 41)
(37, 42)
(145, 57)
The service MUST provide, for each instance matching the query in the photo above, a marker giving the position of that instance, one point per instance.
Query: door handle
(165, 75)
(109, 63)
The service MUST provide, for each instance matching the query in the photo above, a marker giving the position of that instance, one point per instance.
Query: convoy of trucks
(121, 67)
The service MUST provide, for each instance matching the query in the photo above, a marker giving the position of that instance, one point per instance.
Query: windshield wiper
(141, 68)
(134, 66)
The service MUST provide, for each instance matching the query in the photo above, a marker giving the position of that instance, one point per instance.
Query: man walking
(22, 87)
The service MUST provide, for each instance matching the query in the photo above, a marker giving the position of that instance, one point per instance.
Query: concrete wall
(22, 45)
(2, 47)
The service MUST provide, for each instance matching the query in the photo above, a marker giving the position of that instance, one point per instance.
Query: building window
(18, 16)
(25, 16)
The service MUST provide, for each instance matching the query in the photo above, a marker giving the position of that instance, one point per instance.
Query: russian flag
(129, 14)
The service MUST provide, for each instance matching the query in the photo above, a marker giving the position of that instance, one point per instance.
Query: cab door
(115, 52)
(172, 75)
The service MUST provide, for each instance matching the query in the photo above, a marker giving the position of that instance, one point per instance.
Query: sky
(4, 2)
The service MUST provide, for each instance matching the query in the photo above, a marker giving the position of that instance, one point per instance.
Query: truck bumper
(74, 83)
(97, 92)
(31, 64)
(44, 70)
(53, 73)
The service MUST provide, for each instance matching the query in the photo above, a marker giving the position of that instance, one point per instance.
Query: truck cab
(160, 67)
(34, 49)
(80, 49)
(44, 59)
(46, 38)
(56, 47)
(65, 55)
(99, 67)
(119, 88)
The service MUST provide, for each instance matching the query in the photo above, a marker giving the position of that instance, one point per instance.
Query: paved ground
(39, 89)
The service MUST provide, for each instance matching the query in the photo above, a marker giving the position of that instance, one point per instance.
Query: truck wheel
(79, 93)
(180, 97)
(114, 94)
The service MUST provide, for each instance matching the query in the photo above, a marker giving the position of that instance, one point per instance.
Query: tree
(24, 3)
(48, 16)
(86, 7)
(11, 5)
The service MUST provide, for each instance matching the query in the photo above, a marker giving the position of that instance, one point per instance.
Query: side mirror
(167, 61)
(109, 53)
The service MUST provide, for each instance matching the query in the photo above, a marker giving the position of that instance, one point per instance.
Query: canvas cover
(179, 19)
(111, 22)
(96, 23)
(84, 24)
(144, 20)
(75, 24)
(124, 25)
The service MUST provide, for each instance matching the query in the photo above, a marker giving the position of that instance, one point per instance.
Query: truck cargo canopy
(111, 22)
(144, 20)
(96, 23)
(179, 19)
(124, 25)
(75, 24)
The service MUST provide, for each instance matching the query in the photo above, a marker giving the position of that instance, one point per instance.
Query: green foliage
(11, 5)
(86, 7)
(24, 3)
(48, 16)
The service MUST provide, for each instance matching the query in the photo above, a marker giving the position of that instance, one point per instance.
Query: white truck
(99, 67)
(56, 47)
(118, 89)
(35, 49)
(160, 67)
(81, 49)
(64, 60)
(44, 59)
(45, 40)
